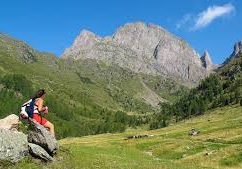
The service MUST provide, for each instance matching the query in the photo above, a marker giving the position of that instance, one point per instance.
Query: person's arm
(40, 105)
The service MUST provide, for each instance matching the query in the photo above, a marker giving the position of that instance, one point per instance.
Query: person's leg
(50, 126)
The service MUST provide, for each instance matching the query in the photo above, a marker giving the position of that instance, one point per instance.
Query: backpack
(27, 109)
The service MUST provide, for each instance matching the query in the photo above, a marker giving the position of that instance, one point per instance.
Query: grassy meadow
(219, 145)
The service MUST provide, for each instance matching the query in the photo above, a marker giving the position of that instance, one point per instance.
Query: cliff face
(148, 49)
(236, 52)
(207, 61)
(237, 49)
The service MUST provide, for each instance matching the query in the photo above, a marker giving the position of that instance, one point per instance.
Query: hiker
(34, 109)
(40, 108)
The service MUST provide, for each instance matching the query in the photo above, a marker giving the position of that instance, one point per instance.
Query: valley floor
(219, 145)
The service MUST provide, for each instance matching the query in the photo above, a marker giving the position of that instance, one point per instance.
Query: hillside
(217, 90)
(82, 95)
(217, 146)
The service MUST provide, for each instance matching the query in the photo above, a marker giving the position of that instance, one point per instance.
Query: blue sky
(52, 25)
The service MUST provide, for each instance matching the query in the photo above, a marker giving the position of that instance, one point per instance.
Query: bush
(159, 121)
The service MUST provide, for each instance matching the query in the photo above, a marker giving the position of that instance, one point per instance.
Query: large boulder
(37, 151)
(39, 135)
(10, 122)
(13, 145)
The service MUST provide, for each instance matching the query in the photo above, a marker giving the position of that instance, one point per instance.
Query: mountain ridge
(236, 52)
(140, 47)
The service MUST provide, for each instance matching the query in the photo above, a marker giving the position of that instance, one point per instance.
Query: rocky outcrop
(140, 37)
(193, 132)
(207, 61)
(38, 134)
(38, 152)
(236, 52)
(175, 58)
(237, 49)
(13, 145)
(10, 122)
(144, 48)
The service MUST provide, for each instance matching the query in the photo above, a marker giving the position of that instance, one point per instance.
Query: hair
(39, 93)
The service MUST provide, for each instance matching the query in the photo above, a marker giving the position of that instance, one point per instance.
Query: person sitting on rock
(40, 108)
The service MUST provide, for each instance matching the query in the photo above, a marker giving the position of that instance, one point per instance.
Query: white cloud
(206, 17)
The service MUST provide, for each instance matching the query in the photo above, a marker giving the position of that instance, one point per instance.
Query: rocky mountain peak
(237, 48)
(140, 37)
(143, 48)
(236, 52)
(86, 32)
(84, 41)
(206, 60)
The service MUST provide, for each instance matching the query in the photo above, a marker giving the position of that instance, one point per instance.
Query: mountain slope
(84, 96)
(148, 49)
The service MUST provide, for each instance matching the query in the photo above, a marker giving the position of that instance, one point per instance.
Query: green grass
(217, 146)
(233, 160)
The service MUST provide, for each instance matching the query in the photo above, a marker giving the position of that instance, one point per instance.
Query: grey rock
(236, 52)
(39, 135)
(13, 145)
(206, 60)
(237, 49)
(10, 122)
(142, 48)
(177, 59)
(193, 132)
(37, 151)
